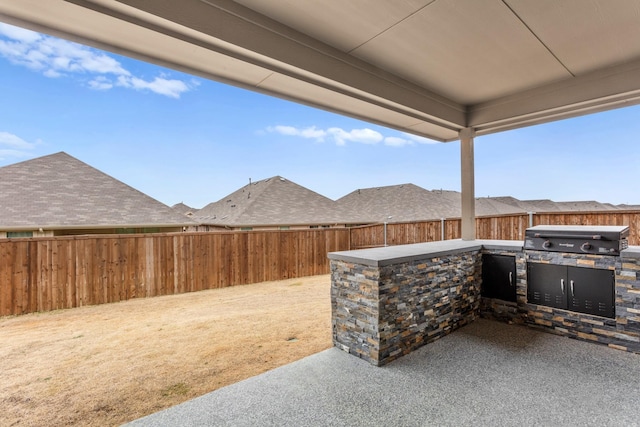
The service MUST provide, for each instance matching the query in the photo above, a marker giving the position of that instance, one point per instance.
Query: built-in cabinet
(499, 277)
(584, 290)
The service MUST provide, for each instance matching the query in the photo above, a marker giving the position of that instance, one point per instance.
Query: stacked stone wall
(381, 313)
(628, 302)
(603, 262)
(355, 309)
(421, 301)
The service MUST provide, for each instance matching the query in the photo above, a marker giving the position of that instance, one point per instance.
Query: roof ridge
(61, 190)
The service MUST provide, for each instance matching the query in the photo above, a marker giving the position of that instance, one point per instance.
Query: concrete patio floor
(484, 374)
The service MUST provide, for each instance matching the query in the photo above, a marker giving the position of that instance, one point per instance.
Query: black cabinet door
(591, 291)
(499, 277)
(584, 290)
(547, 284)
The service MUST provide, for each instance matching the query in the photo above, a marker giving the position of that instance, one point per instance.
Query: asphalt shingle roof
(546, 205)
(183, 209)
(59, 191)
(278, 201)
(272, 201)
(409, 202)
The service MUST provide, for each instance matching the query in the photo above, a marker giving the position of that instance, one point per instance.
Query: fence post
(385, 233)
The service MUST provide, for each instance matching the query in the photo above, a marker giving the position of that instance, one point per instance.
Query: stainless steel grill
(576, 288)
(598, 240)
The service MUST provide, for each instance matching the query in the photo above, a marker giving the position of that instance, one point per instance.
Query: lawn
(109, 364)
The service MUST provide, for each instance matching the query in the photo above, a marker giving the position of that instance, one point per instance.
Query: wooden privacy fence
(502, 227)
(43, 274)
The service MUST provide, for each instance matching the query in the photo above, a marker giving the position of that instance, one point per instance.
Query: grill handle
(511, 278)
(571, 283)
(570, 236)
(562, 285)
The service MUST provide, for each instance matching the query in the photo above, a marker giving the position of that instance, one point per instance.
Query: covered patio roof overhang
(443, 69)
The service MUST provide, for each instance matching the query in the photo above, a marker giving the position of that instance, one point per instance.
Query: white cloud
(159, 85)
(418, 139)
(52, 74)
(307, 133)
(13, 146)
(285, 130)
(407, 139)
(312, 132)
(337, 135)
(341, 136)
(59, 58)
(10, 140)
(364, 136)
(100, 83)
(394, 141)
(17, 33)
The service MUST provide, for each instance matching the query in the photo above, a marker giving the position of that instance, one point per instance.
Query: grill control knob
(546, 244)
(585, 247)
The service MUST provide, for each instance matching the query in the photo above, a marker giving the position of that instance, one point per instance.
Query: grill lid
(591, 239)
(589, 232)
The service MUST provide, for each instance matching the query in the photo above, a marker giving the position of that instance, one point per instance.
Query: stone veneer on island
(387, 302)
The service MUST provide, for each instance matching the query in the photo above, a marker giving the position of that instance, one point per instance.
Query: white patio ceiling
(443, 69)
(428, 67)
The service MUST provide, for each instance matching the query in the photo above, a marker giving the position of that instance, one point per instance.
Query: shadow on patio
(486, 373)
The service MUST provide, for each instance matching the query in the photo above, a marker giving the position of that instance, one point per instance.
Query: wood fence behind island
(43, 274)
(501, 227)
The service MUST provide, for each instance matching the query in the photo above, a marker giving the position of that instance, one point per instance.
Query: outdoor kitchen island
(389, 301)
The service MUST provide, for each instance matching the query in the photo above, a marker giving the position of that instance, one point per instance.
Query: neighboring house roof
(490, 206)
(483, 205)
(272, 201)
(588, 205)
(396, 203)
(61, 192)
(546, 205)
(183, 209)
(278, 201)
(409, 202)
(525, 206)
(628, 207)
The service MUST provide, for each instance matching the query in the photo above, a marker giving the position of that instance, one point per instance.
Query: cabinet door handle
(511, 278)
(562, 285)
(571, 283)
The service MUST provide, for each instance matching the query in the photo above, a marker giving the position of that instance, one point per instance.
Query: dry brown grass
(108, 364)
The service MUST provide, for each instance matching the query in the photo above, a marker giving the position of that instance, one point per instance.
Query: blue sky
(180, 138)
